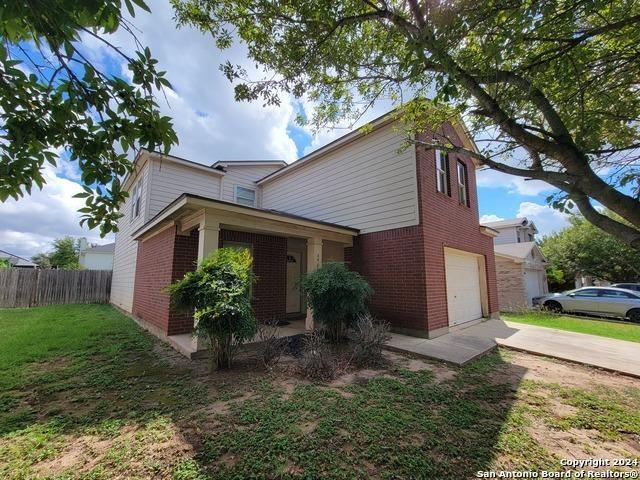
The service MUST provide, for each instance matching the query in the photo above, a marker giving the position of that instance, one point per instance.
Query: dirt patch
(580, 444)
(524, 366)
(51, 365)
(308, 427)
(138, 447)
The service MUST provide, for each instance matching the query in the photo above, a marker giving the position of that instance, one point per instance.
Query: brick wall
(185, 259)
(511, 288)
(166, 257)
(270, 266)
(447, 223)
(163, 259)
(392, 261)
(154, 271)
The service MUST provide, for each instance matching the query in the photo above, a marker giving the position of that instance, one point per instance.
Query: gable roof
(15, 260)
(512, 222)
(106, 248)
(247, 163)
(519, 251)
(385, 119)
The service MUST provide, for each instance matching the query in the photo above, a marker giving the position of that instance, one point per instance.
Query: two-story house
(406, 219)
(520, 265)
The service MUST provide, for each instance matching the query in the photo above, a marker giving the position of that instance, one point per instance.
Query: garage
(464, 286)
(534, 281)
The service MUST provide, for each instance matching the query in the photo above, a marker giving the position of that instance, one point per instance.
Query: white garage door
(533, 283)
(463, 287)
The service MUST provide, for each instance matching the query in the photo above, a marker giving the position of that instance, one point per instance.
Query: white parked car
(604, 301)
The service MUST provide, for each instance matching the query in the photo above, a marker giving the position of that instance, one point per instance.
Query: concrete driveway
(464, 345)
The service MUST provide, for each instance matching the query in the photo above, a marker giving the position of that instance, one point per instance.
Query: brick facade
(167, 257)
(393, 263)
(162, 259)
(512, 293)
(405, 266)
(447, 223)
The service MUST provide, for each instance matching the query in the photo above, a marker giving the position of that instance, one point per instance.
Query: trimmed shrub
(318, 362)
(337, 296)
(369, 337)
(271, 346)
(218, 292)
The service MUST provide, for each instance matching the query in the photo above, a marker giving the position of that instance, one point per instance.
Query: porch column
(208, 238)
(314, 261)
(209, 235)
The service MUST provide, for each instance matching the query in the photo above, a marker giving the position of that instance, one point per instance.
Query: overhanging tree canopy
(54, 99)
(550, 87)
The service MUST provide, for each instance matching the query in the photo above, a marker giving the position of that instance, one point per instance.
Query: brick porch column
(314, 261)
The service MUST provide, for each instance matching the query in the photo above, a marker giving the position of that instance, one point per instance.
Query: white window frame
(237, 189)
(442, 172)
(136, 195)
(463, 196)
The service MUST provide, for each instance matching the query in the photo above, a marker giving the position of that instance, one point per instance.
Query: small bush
(337, 296)
(318, 362)
(272, 347)
(218, 292)
(369, 337)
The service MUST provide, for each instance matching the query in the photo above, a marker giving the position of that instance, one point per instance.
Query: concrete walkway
(464, 345)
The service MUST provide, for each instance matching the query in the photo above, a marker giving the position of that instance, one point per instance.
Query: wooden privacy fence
(21, 287)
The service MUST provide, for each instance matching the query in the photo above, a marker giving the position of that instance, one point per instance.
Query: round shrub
(337, 296)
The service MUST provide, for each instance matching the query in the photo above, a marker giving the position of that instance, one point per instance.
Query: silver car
(603, 301)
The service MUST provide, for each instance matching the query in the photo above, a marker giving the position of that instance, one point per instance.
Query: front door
(294, 270)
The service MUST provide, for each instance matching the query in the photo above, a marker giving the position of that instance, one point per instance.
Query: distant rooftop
(16, 260)
(515, 250)
(106, 248)
(512, 222)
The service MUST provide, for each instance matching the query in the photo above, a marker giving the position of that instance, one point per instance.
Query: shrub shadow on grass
(120, 403)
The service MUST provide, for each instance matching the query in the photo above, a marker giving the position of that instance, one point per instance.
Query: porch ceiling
(187, 211)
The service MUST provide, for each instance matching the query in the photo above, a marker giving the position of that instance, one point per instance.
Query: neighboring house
(517, 230)
(405, 219)
(15, 261)
(97, 257)
(520, 265)
(590, 281)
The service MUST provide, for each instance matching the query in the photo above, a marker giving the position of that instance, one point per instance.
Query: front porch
(184, 342)
(283, 247)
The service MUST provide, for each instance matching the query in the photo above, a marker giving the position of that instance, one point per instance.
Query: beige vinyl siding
(244, 176)
(170, 180)
(367, 184)
(126, 249)
(506, 235)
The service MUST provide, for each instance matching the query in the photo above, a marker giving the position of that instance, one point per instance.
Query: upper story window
(245, 196)
(442, 172)
(136, 199)
(463, 195)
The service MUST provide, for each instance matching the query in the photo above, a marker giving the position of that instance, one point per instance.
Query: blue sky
(211, 126)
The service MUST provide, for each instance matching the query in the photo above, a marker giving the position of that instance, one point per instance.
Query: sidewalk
(464, 345)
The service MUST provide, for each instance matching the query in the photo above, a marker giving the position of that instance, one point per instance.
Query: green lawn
(592, 326)
(85, 394)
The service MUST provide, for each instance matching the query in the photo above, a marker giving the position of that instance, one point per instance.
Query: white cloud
(29, 225)
(490, 218)
(210, 124)
(494, 179)
(547, 219)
